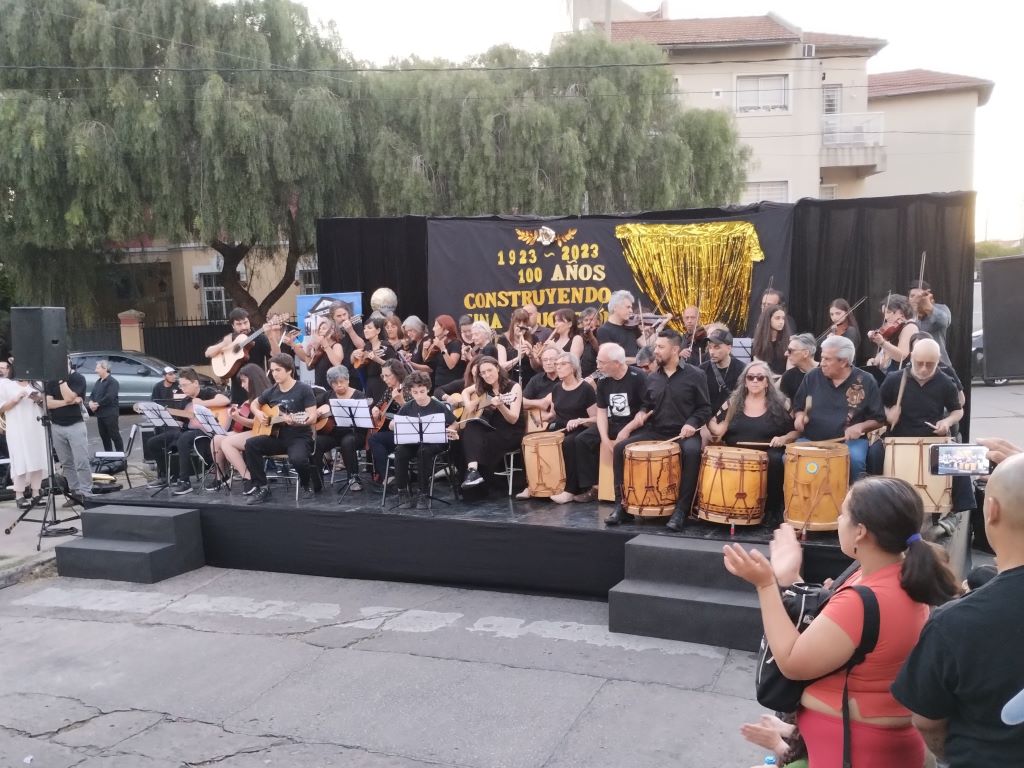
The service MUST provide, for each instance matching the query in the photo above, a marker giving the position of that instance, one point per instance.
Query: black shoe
(247, 487)
(217, 485)
(307, 494)
(473, 477)
(677, 522)
(181, 488)
(25, 503)
(422, 502)
(619, 515)
(259, 496)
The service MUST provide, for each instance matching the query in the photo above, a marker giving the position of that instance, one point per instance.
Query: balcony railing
(859, 129)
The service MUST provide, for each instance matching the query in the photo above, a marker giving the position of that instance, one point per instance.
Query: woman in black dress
(771, 338)
(756, 413)
(443, 352)
(370, 358)
(321, 352)
(498, 401)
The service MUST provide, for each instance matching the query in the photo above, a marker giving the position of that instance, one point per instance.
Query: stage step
(677, 588)
(137, 544)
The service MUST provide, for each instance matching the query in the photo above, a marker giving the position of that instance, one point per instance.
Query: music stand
(158, 416)
(413, 430)
(350, 414)
(210, 427)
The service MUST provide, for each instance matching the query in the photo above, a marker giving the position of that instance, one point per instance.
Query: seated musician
(498, 401)
(615, 330)
(573, 405)
(321, 351)
(537, 389)
(943, 367)
(227, 449)
(590, 319)
(800, 351)
(620, 395)
(695, 337)
(373, 356)
(837, 400)
(346, 439)
(382, 439)
(928, 406)
(675, 406)
(183, 439)
(262, 346)
(893, 338)
(420, 404)
(756, 412)
(292, 435)
(721, 369)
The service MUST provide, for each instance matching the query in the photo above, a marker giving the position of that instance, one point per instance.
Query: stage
(494, 543)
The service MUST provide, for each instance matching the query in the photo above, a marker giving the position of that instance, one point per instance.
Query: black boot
(619, 515)
(678, 520)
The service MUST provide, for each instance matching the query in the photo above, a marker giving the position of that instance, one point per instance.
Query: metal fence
(183, 342)
(97, 337)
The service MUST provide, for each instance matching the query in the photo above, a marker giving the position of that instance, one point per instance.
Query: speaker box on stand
(39, 340)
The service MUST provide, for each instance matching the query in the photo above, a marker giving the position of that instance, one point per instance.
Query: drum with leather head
(650, 479)
(732, 486)
(907, 458)
(545, 467)
(816, 479)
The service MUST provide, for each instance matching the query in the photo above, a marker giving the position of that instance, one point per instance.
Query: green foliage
(251, 151)
(993, 249)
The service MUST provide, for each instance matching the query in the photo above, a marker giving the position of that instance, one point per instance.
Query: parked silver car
(136, 373)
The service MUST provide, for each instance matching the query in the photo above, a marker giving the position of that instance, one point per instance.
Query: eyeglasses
(791, 351)
(756, 377)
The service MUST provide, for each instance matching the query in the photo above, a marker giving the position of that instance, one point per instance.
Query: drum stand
(48, 522)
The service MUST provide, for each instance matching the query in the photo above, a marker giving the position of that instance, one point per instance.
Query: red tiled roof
(912, 81)
(736, 29)
(826, 40)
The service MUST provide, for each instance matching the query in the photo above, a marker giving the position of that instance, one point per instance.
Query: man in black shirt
(620, 309)
(267, 343)
(967, 663)
(695, 338)
(105, 406)
(64, 399)
(537, 389)
(165, 389)
(800, 352)
(838, 399)
(350, 329)
(620, 395)
(675, 406)
(182, 440)
(292, 434)
(421, 404)
(721, 369)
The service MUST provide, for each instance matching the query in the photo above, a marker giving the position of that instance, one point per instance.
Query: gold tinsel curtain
(677, 264)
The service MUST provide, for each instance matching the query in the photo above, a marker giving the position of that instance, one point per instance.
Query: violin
(892, 331)
(430, 348)
(368, 356)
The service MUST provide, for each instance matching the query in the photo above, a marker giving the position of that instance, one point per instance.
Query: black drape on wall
(871, 246)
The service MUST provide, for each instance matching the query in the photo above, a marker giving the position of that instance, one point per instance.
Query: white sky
(980, 39)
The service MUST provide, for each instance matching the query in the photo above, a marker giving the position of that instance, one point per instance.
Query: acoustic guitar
(275, 418)
(226, 364)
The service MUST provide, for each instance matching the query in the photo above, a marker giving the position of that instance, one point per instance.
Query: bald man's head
(924, 359)
(1004, 512)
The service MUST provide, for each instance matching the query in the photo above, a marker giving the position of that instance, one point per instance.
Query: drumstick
(929, 424)
(757, 445)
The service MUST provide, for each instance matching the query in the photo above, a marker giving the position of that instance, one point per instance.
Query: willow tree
(186, 121)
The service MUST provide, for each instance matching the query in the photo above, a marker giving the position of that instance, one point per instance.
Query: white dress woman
(26, 441)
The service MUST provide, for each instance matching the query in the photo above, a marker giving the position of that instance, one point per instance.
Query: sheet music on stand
(207, 421)
(351, 413)
(419, 429)
(157, 415)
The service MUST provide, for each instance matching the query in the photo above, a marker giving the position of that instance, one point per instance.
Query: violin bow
(920, 274)
(693, 336)
(846, 314)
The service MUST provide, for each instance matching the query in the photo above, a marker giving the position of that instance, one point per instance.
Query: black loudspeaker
(1001, 281)
(39, 341)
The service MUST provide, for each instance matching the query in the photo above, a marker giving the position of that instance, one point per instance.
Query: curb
(15, 573)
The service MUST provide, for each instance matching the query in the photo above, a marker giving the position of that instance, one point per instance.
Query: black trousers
(588, 454)
(110, 435)
(381, 444)
(347, 441)
(181, 441)
(424, 454)
(691, 450)
(298, 447)
(487, 446)
(573, 447)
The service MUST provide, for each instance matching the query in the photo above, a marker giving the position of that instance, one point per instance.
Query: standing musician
(297, 405)
(590, 319)
(227, 449)
(566, 336)
(620, 395)
(349, 329)
(675, 406)
(382, 439)
(321, 351)
(695, 337)
(443, 353)
(345, 439)
(843, 321)
(930, 317)
(420, 404)
(260, 350)
(614, 330)
(721, 369)
(415, 331)
(519, 346)
(771, 338)
(839, 400)
(484, 345)
(498, 401)
(757, 412)
(394, 333)
(800, 352)
(184, 439)
(373, 355)
(539, 332)
(893, 338)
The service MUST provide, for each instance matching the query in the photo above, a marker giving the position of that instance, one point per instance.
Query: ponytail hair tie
(914, 537)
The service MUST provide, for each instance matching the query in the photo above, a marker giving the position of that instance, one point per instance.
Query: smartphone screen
(959, 459)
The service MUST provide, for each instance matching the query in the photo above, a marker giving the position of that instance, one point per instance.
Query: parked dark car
(978, 359)
(136, 373)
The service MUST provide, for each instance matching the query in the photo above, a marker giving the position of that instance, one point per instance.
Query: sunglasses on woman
(756, 377)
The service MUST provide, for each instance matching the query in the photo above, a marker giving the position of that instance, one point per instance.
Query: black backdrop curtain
(871, 246)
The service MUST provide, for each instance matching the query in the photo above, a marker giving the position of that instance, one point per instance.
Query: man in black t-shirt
(419, 405)
(967, 664)
(537, 389)
(164, 391)
(620, 309)
(267, 343)
(292, 429)
(182, 440)
(721, 369)
(695, 337)
(800, 352)
(64, 399)
(620, 395)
